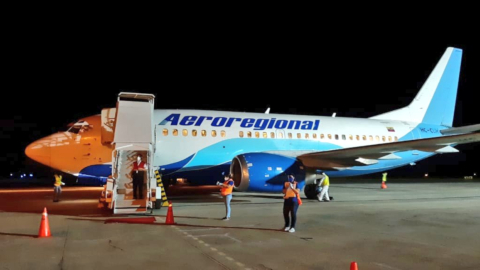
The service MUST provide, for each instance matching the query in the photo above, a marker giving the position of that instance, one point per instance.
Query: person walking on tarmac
(290, 203)
(226, 192)
(57, 187)
(384, 180)
(324, 184)
(138, 173)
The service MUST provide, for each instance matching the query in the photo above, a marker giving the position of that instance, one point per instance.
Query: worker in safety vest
(226, 189)
(57, 187)
(290, 203)
(384, 180)
(325, 184)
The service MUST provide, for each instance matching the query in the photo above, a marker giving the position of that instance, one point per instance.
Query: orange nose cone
(40, 152)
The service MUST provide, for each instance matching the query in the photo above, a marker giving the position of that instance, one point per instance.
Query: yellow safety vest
(384, 179)
(326, 181)
(58, 180)
(226, 188)
(289, 193)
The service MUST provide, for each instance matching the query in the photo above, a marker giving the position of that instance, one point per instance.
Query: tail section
(435, 102)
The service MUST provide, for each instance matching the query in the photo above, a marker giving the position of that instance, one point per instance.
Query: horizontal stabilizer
(461, 130)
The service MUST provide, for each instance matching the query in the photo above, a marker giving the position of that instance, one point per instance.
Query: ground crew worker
(325, 184)
(138, 172)
(384, 180)
(290, 203)
(226, 192)
(57, 187)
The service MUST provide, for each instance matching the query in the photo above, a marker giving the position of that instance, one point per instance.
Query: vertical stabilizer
(435, 102)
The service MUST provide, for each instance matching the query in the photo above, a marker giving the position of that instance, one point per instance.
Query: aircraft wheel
(310, 191)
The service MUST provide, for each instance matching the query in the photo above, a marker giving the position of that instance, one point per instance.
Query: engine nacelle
(263, 172)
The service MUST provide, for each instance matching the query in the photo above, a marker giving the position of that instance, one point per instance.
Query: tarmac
(410, 225)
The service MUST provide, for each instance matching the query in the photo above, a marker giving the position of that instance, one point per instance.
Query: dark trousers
(138, 184)
(290, 208)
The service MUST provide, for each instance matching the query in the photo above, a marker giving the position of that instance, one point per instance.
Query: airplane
(260, 149)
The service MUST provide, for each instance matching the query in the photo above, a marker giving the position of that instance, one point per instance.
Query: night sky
(292, 75)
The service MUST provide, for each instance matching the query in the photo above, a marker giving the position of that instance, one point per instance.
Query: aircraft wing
(367, 155)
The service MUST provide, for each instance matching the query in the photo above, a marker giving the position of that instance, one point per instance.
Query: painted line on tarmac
(212, 248)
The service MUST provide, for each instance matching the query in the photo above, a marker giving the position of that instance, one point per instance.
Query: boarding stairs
(134, 134)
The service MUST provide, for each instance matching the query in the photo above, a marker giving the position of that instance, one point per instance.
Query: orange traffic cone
(44, 230)
(353, 266)
(384, 186)
(169, 219)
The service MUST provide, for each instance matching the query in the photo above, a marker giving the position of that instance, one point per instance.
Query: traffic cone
(384, 186)
(169, 219)
(44, 230)
(353, 266)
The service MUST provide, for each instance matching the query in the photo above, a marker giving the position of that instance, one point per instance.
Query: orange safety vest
(289, 193)
(226, 188)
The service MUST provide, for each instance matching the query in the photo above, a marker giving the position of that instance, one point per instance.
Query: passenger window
(344, 137)
(358, 137)
(377, 138)
(289, 135)
(299, 136)
(265, 135)
(280, 135)
(389, 138)
(383, 138)
(329, 136)
(370, 138)
(322, 136)
(396, 139)
(241, 134)
(336, 136)
(272, 134)
(165, 132)
(350, 137)
(204, 133)
(249, 134)
(175, 132)
(214, 133)
(364, 137)
(185, 132)
(223, 133)
(257, 134)
(306, 135)
(314, 135)
(194, 133)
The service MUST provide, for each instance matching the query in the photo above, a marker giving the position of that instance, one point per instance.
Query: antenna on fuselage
(267, 111)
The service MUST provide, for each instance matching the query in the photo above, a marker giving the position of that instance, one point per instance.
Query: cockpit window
(79, 127)
(74, 129)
